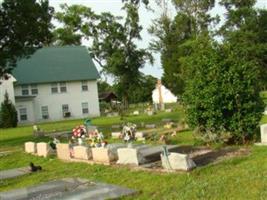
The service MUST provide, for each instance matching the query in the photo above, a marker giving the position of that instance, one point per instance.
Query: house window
(23, 114)
(63, 87)
(54, 88)
(65, 110)
(44, 110)
(84, 86)
(85, 108)
(34, 89)
(25, 90)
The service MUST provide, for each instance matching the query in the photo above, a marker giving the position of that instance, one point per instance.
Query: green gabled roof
(55, 64)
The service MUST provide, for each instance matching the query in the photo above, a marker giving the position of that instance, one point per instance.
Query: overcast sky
(114, 6)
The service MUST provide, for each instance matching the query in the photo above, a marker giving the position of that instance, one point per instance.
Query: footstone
(264, 133)
(116, 135)
(43, 149)
(177, 161)
(82, 152)
(68, 189)
(63, 151)
(13, 173)
(30, 147)
(141, 155)
(107, 154)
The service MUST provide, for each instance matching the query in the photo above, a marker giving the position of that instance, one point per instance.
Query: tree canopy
(25, 26)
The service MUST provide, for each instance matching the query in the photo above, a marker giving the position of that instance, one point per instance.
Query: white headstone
(264, 133)
(43, 149)
(177, 161)
(82, 152)
(116, 135)
(30, 147)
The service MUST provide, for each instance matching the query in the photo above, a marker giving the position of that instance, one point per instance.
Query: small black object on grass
(34, 168)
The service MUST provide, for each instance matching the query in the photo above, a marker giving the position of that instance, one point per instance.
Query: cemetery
(149, 148)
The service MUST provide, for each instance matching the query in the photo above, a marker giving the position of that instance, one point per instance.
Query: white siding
(74, 97)
(7, 86)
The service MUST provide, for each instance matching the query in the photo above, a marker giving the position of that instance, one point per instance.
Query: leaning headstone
(14, 173)
(82, 152)
(177, 161)
(30, 147)
(43, 149)
(107, 154)
(116, 135)
(142, 154)
(68, 188)
(264, 133)
(63, 151)
(150, 126)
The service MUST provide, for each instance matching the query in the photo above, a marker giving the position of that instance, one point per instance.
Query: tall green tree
(191, 19)
(246, 28)
(24, 26)
(113, 42)
(8, 113)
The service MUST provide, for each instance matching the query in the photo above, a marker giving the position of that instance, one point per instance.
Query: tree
(192, 19)
(25, 26)
(8, 114)
(113, 42)
(222, 92)
(246, 27)
(103, 86)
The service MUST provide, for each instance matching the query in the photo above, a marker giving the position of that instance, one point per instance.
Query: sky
(146, 18)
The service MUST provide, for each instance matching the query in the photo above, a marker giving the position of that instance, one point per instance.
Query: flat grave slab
(13, 173)
(142, 154)
(68, 189)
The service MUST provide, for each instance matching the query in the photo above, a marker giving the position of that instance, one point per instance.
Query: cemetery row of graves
(153, 157)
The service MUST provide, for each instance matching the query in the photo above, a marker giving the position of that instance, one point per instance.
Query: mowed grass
(243, 177)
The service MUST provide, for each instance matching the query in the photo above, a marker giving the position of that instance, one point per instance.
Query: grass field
(243, 177)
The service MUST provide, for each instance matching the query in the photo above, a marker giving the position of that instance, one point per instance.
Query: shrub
(222, 93)
(8, 114)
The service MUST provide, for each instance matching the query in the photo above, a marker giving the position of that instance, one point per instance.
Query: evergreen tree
(8, 113)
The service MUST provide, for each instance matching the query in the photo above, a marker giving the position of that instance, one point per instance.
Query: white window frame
(25, 88)
(54, 88)
(84, 85)
(45, 112)
(63, 87)
(85, 108)
(34, 89)
(23, 112)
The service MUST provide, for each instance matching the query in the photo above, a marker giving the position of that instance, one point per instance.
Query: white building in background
(55, 83)
(162, 95)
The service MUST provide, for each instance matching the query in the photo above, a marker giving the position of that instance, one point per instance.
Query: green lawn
(243, 177)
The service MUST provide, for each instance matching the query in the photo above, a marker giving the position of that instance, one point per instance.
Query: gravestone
(30, 147)
(116, 135)
(142, 154)
(43, 149)
(150, 126)
(177, 161)
(63, 151)
(166, 120)
(82, 152)
(116, 126)
(264, 133)
(13, 173)
(68, 189)
(136, 112)
(107, 154)
(140, 134)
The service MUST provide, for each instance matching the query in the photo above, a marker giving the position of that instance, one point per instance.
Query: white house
(55, 83)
